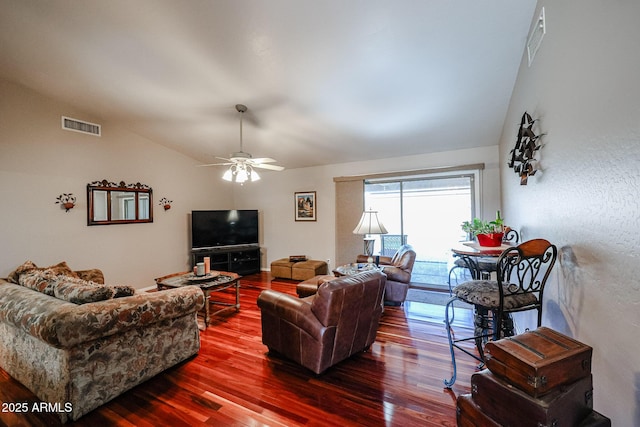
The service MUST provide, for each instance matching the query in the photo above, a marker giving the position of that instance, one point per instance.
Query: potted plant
(488, 233)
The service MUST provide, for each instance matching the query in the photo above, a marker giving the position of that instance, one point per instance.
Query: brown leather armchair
(341, 319)
(398, 270)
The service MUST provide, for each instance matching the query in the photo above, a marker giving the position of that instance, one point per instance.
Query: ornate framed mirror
(118, 203)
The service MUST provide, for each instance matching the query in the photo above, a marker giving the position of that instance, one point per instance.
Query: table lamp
(369, 224)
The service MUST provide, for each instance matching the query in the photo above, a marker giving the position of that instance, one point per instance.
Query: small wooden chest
(539, 361)
(567, 405)
(595, 419)
(468, 414)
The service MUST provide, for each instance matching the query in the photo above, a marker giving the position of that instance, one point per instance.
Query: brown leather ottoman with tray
(307, 269)
(281, 268)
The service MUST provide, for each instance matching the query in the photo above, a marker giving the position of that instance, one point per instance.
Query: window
(425, 212)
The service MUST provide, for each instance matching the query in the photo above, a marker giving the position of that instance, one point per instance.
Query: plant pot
(490, 240)
(167, 207)
(68, 205)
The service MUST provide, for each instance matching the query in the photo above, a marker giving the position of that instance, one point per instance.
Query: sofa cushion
(58, 269)
(80, 291)
(487, 294)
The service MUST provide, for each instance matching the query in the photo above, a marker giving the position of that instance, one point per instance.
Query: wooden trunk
(539, 361)
(595, 419)
(468, 414)
(567, 405)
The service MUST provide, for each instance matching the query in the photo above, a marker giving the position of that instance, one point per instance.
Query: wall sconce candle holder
(66, 201)
(523, 159)
(165, 203)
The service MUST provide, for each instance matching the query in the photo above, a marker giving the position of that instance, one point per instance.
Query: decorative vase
(67, 206)
(490, 239)
(167, 207)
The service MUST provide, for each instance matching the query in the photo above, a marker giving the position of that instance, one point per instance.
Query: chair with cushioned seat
(398, 270)
(521, 274)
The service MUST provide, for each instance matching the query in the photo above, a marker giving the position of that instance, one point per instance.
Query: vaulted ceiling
(324, 81)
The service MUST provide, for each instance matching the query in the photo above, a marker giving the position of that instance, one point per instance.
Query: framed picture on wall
(305, 206)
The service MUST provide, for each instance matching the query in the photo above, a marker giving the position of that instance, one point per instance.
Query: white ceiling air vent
(76, 125)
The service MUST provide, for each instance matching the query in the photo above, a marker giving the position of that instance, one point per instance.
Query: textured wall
(583, 86)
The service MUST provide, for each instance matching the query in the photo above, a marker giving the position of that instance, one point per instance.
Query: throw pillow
(122, 290)
(38, 280)
(62, 269)
(80, 291)
(93, 275)
(27, 266)
(14, 276)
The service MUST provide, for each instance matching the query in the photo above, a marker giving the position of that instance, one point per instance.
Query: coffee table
(216, 281)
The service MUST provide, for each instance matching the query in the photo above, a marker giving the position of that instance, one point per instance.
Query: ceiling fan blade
(263, 160)
(224, 158)
(270, 167)
(215, 164)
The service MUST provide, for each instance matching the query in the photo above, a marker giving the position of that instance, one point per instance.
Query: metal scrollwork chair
(485, 265)
(521, 274)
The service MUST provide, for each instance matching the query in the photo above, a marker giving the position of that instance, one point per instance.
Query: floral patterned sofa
(78, 343)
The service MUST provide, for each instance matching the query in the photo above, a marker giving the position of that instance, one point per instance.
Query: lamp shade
(370, 224)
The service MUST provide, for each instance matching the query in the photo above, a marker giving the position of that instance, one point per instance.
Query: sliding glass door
(425, 212)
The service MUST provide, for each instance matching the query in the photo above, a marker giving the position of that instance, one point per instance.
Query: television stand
(240, 259)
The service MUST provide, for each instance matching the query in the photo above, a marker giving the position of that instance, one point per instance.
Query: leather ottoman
(310, 286)
(307, 269)
(282, 268)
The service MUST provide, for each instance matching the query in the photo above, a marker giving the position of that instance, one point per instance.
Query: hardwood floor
(233, 381)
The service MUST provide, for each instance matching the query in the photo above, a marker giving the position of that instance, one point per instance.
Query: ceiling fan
(241, 164)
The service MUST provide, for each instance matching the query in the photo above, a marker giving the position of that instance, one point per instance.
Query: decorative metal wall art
(165, 203)
(522, 158)
(67, 201)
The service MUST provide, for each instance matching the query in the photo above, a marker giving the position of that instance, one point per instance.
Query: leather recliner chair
(341, 319)
(398, 270)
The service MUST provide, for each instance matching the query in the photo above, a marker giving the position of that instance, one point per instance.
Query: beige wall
(39, 161)
(584, 87)
(273, 196)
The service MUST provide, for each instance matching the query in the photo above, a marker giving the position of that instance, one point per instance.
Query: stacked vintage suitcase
(540, 378)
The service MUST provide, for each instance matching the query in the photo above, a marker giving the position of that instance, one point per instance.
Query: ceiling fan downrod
(241, 109)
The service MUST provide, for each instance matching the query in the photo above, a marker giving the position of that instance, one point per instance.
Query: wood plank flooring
(233, 381)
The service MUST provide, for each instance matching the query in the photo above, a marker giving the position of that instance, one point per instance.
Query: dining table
(480, 260)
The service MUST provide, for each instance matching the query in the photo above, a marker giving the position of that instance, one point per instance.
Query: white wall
(39, 161)
(273, 196)
(584, 87)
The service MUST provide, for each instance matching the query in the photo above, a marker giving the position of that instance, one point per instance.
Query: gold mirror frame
(118, 203)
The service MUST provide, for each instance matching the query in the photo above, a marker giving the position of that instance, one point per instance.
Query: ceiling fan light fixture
(242, 175)
(228, 175)
(241, 164)
(254, 175)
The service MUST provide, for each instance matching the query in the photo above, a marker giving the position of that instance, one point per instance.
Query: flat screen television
(211, 229)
